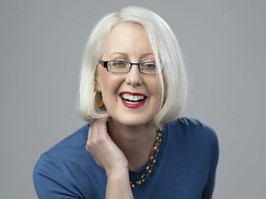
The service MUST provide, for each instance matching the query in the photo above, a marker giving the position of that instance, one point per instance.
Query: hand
(108, 155)
(102, 148)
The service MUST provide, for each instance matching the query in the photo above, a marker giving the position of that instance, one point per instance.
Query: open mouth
(129, 98)
(133, 98)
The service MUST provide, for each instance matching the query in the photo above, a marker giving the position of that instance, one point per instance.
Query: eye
(148, 65)
(119, 63)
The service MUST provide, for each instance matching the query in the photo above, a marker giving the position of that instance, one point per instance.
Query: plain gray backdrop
(224, 46)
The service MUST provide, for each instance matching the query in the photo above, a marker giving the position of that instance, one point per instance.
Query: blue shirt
(185, 167)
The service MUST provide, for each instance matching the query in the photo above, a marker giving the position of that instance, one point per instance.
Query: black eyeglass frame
(105, 65)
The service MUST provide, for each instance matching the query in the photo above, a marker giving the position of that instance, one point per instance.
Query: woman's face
(131, 98)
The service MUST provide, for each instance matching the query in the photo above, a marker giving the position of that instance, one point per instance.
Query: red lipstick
(132, 100)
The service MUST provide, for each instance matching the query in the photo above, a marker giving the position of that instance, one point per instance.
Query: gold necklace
(151, 162)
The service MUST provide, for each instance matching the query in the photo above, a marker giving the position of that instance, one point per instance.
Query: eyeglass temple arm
(103, 63)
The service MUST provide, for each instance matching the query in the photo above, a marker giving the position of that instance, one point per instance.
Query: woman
(132, 91)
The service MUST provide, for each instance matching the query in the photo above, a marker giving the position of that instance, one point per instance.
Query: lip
(133, 105)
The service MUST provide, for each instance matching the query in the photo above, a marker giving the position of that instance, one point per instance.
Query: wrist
(118, 184)
(117, 172)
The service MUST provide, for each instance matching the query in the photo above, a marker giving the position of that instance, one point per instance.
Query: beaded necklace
(151, 162)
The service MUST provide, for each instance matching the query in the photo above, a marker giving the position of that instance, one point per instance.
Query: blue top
(185, 167)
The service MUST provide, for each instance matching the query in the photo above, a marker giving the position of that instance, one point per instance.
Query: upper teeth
(132, 97)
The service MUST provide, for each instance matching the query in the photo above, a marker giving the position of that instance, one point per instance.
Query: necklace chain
(151, 162)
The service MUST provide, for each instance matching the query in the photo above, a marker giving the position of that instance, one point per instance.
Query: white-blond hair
(167, 54)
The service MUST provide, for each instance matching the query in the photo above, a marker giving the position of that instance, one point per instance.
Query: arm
(118, 185)
(214, 148)
(111, 158)
(50, 181)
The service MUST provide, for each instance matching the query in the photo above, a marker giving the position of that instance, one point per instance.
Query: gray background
(223, 42)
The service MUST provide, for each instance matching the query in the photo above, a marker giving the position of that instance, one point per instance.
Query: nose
(134, 77)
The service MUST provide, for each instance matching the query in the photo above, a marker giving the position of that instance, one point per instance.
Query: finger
(90, 132)
(96, 132)
(92, 135)
(102, 128)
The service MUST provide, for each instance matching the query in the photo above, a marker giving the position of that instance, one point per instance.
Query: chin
(133, 122)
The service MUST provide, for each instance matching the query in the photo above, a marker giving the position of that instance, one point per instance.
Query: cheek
(156, 88)
(109, 87)
(103, 79)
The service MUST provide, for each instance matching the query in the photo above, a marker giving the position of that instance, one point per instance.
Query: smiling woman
(165, 52)
(136, 145)
(128, 41)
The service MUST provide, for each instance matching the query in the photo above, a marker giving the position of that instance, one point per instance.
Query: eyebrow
(126, 55)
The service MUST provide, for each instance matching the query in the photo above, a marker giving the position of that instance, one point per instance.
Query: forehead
(129, 38)
(126, 30)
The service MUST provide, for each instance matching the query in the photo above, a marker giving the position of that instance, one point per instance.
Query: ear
(97, 84)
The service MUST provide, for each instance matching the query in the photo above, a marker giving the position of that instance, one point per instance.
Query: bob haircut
(168, 58)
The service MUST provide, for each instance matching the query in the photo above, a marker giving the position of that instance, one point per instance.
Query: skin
(125, 139)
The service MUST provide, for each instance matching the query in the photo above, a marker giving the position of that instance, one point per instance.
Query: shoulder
(189, 123)
(191, 126)
(74, 143)
(65, 167)
(67, 150)
(193, 132)
(71, 147)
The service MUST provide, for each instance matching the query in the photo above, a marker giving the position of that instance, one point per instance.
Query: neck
(136, 142)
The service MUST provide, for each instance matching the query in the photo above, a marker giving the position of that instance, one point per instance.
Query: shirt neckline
(135, 175)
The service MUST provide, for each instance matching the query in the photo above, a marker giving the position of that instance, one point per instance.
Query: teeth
(132, 98)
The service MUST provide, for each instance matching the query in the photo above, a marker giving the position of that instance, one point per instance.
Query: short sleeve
(214, 153)
(50, 179)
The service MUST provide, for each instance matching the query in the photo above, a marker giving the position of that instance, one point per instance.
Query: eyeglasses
(123, 66)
